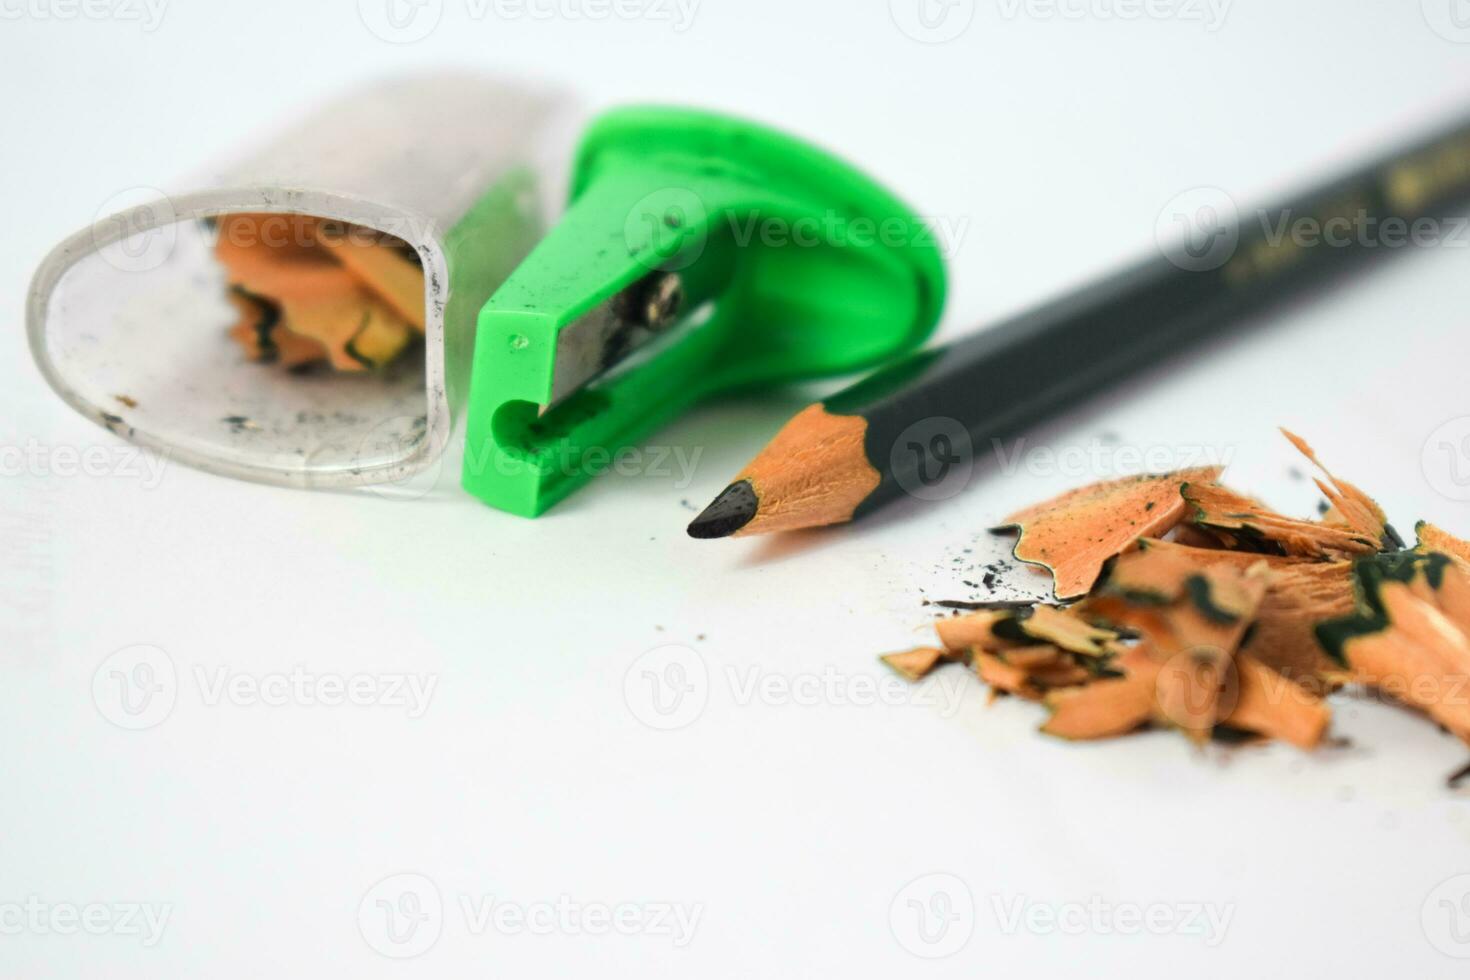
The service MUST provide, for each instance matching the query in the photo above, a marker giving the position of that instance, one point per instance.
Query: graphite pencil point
(728, 513)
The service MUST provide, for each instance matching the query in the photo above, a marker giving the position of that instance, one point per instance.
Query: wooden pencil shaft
(1005, 378)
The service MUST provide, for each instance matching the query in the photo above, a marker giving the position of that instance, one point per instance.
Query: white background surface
(792, 823)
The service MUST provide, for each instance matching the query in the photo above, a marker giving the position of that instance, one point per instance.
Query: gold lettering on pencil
(1428, 176)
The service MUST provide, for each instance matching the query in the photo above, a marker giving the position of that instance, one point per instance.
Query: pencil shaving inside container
(402, 207)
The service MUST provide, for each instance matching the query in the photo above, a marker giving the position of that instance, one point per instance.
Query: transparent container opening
(137, 334)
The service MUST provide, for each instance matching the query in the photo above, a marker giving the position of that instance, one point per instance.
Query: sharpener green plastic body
(699, 254)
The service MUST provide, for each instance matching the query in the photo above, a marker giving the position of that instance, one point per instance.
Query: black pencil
(897, 431)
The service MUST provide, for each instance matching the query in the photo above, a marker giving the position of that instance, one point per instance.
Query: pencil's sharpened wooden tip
(815, 472)
(728, 513)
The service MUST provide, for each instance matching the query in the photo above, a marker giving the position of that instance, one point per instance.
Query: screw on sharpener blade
(659, 299)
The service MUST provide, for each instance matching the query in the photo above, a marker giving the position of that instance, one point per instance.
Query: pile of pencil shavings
(311, 292)
(1187, 605)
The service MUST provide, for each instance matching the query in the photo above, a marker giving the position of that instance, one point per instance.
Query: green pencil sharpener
(699, 254)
